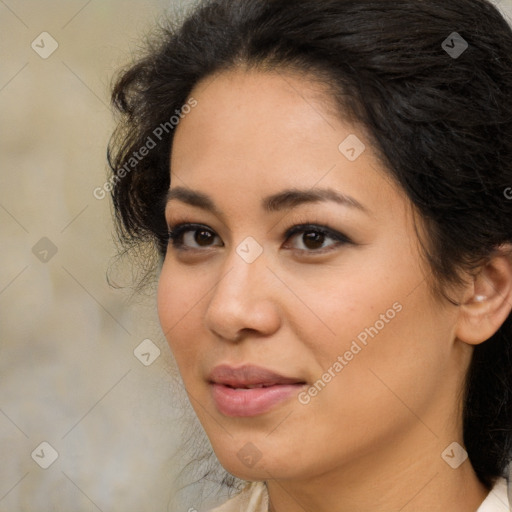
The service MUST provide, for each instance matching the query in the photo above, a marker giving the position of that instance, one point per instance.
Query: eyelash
(177, 231)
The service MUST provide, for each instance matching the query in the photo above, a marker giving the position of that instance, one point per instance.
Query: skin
(372, 439)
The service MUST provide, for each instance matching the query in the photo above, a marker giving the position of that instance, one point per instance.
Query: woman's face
(367, 364)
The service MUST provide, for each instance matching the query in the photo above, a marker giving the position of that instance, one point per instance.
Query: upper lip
(248, 375)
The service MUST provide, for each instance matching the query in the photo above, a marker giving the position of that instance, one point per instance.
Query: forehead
(258, 132)
(259, 106)
(257, 115)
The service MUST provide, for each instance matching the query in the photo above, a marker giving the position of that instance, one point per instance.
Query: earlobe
(488, 302)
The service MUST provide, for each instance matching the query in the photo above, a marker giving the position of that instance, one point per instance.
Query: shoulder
(252, 498)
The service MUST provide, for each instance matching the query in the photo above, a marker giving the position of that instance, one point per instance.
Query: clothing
(254, 498)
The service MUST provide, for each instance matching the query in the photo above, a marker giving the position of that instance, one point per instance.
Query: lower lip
(251, 402)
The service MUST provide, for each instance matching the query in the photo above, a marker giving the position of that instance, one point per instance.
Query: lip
(250, 390)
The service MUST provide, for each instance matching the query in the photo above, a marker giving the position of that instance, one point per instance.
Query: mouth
(250, 390)
(249, 386)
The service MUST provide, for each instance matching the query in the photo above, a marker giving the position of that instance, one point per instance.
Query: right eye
(186, 236)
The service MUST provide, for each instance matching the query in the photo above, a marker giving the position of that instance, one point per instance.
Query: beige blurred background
(69, 375)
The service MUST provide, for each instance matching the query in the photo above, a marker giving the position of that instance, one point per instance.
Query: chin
(249, 463)
(250, 475)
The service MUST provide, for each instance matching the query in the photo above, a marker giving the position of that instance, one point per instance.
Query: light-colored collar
(254, 498)
(497, 500)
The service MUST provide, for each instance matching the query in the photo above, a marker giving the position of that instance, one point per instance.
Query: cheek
(387, 352)
(344, 309)
(380, 333)
(179, 307)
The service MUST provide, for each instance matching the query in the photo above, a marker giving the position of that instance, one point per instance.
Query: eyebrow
(286, 199)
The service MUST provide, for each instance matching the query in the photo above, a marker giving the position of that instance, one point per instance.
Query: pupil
(313, 239)
(203, 237)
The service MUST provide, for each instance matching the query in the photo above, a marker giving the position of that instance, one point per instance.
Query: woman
(327, 184)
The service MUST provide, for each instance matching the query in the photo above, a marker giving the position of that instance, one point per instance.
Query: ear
(488, 300)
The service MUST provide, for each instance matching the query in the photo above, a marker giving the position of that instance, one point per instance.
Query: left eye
(313, 238)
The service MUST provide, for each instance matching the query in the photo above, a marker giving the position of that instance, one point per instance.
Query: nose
(243, 302)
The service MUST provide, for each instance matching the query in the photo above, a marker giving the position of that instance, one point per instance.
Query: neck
(407, 475)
